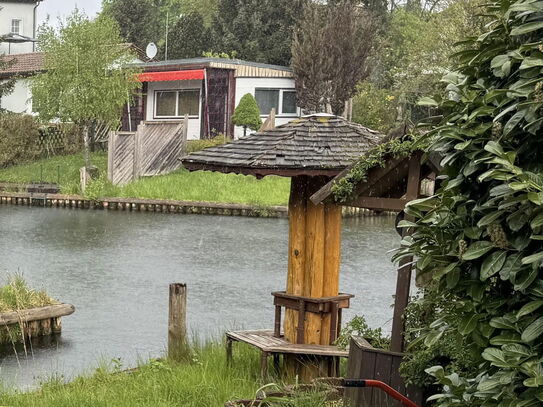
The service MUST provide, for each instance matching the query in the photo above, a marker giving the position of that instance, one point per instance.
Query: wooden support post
(314, 257)
(229, 355)
(277, 327)
(264, 366)
(403, 283)
(177, 322)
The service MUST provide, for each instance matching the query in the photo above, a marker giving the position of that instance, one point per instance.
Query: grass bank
(180, 185)
(205, 381)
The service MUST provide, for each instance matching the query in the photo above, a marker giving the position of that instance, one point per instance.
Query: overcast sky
(56, 8)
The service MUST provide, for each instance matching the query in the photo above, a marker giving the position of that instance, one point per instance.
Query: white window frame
(20, 20)
(281, 91)
(176, 91)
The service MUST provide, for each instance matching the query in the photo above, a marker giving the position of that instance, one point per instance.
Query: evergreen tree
(189, 37)
(247, 114)
(140, 21)
(257, 30)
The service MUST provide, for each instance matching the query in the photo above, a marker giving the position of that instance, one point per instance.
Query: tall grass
(17, 295)
(206, 381)
(180, 185)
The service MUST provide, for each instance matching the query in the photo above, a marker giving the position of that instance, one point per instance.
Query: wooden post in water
(177, 322)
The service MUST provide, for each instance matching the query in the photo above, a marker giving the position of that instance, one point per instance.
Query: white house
(18, 23)
(18, 30)
(208, 90)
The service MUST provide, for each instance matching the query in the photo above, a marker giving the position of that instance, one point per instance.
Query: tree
(85, 77)
(478, 239)
(257, 30)
(139, 20)
(189, 37)
(330, 54)
(247, 114)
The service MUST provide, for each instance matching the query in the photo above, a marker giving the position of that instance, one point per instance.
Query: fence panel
(377, 364)
(154, 149)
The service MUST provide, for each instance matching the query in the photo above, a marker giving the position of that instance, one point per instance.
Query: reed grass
(205, 381)
(181, 185)
(17, 295)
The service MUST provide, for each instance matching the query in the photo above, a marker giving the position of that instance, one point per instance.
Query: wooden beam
(403, 282)
(384, 204)
(374, 175)
(36, 314)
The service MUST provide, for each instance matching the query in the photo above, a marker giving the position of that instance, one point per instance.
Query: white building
(18, 22)
(208, 90)
(18, 29)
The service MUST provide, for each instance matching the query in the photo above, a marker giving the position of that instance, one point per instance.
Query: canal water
(115, 268)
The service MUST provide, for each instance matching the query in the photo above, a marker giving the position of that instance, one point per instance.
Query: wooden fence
(154, 149)
(366, 362)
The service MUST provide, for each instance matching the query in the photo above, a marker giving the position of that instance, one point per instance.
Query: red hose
(383, 386)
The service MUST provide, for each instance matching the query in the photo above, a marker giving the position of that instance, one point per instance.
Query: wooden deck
(269, 345)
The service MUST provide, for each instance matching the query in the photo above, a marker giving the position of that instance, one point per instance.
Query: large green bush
(374, 107)
(18, 139)
(479, 239)
(247, 114)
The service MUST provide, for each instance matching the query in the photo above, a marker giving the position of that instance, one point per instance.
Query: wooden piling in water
(177, 322)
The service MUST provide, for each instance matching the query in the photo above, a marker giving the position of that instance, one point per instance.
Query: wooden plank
(296, 251)
(374, 175)
(365, 397)
(384, 204)
(396, 381)
(383, 366)
(36, 314)
(332, 259)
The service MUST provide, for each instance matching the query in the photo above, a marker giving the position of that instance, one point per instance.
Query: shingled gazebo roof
(313, 145)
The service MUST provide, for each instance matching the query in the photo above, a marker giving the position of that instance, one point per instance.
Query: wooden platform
(269, 345)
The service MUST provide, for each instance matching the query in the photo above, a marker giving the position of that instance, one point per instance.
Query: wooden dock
(269, 345)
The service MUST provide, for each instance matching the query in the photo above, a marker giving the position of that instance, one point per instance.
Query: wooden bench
(270, 345)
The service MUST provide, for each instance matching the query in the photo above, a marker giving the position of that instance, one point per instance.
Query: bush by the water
(17, 295)
(18, 139)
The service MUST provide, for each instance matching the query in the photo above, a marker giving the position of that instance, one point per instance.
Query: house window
(178, 103)
(282, 100)
(16, 25)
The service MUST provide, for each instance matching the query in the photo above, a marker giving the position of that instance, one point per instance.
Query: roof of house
(241, 68)
(22, 64)
(33, 62)
(313, 145)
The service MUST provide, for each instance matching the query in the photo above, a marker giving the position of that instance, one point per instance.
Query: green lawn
(180, 185)
(205, 381)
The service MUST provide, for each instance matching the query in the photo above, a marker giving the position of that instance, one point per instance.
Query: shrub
(247, 114)
(19, 139)
(374, 107)
(197, 145)
(60, 139)
(478, 240)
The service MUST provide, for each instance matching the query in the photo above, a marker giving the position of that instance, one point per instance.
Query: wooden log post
(313, 268)
(177, 323)
(403, 283)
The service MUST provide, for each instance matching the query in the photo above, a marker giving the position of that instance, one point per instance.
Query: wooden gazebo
(311, 150)
(315, 151)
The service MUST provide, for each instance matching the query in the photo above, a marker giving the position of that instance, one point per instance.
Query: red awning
(171, 76)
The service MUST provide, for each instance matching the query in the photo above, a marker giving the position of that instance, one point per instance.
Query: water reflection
(115, 268)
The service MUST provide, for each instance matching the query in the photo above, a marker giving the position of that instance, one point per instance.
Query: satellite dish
(151, 50)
